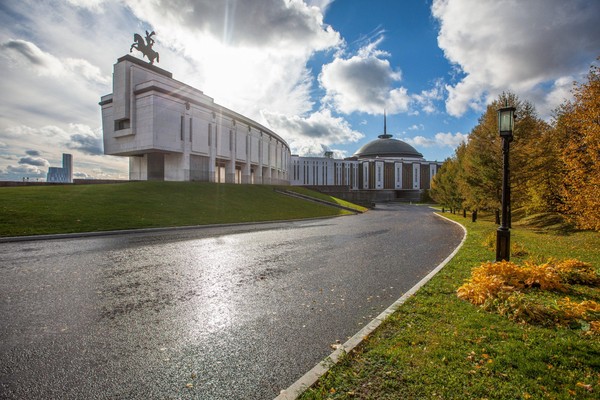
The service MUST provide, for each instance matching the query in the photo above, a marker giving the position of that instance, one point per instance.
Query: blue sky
(317, 72)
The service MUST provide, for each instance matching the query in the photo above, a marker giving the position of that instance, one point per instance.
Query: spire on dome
(384, 122)
(385, 135)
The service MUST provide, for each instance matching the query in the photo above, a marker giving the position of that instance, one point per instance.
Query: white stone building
(172, 131)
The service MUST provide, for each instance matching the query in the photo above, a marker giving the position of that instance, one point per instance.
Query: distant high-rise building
(64, 174)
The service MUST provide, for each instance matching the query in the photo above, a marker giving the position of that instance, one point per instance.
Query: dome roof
(385, 146)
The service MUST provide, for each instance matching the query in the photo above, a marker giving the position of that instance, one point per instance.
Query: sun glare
(226, 69)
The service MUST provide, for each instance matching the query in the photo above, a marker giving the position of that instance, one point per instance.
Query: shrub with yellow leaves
(492, 278)
(575, 271)
(505, 287)
(583, 310)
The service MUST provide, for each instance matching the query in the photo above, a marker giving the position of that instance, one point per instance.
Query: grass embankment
(324, 197)
(37, 210)
(437, 346)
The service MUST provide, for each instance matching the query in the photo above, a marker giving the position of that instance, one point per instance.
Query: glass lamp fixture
(506, 121)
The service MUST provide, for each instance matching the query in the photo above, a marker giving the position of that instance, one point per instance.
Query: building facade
(323, 171)
(174, 132)
(62, 174)
(382, 164)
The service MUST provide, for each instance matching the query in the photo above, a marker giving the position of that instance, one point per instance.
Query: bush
(518, 292)
(576, 272)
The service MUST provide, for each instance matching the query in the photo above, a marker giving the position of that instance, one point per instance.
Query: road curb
(309, 379)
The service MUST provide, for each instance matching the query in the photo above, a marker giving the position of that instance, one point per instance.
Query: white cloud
(91, 73)
(427, 98)
(22, 133)
(94, 5)
(364, 83)
(314, 134)
(28, 55)
(85, 140)
(46, 90)
(272, 24)
(15, 173)
(517, 46)
(546, 101)
(248, 56)
(441, 139)
(34, 161)
(416, 127)
(321, 4)
(420, 141)
(82, 175)
(451, 140)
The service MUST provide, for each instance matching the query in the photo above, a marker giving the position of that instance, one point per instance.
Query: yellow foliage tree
(580, 120)
(444, 189)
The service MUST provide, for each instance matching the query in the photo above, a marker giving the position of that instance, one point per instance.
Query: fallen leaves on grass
(509, 289)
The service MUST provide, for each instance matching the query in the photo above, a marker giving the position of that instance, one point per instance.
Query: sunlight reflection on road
(215, 265)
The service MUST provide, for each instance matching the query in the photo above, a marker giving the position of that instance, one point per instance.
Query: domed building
(386, 146)
(383, 169)
(173, 132)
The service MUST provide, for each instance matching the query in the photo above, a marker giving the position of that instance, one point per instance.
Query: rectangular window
(122, 124)
(181, 127)
(230, 140)
(190, 129)
(209, 134)
(305, 173)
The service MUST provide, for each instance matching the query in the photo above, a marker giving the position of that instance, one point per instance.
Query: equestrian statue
(145, 48)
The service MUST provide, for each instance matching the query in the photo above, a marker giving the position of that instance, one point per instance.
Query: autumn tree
(444, 188)
(544, 172)
(530, 159)
(480, 180)
(579, 122)
(553, 168)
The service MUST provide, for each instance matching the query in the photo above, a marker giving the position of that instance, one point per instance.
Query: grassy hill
(33, 210)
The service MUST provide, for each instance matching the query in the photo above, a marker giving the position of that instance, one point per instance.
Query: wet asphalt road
(215, 313)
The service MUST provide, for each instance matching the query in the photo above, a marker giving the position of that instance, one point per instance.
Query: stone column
(212, 150)
(398, 175)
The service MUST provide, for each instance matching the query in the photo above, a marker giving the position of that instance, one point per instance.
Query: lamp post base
(502, 244)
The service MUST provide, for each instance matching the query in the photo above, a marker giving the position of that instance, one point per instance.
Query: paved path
(216, 313)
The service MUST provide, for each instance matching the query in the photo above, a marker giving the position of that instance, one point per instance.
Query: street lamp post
(506, 119)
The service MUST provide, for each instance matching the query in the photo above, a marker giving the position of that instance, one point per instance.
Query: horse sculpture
(145, 48)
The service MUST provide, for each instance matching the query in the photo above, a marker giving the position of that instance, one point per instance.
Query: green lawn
(33, 210)
(437, 346)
